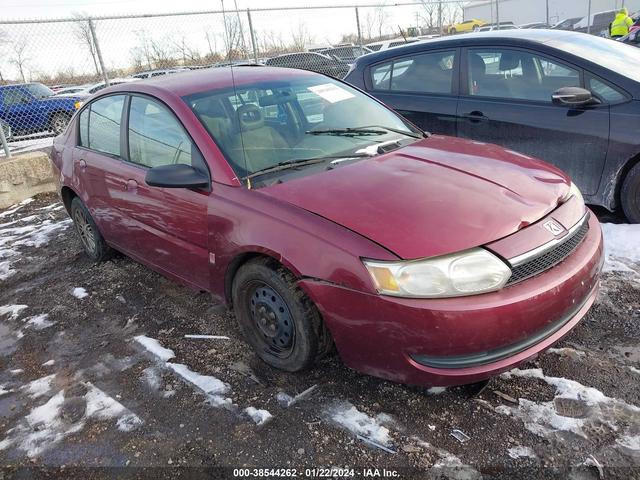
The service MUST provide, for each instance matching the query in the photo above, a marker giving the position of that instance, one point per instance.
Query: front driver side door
(506, 100)
(172, 234)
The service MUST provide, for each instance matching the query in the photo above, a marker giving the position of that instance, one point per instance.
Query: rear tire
(59, 122)
(92, 240)
(278, 319)
(630, 195)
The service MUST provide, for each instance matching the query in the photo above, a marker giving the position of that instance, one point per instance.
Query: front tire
(630, 195)
(59, 122)
(92, 240)
(277, 318)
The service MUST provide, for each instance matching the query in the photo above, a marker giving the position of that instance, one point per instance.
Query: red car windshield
(263, 125)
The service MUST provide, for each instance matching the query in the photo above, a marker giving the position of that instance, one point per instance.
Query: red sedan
(323, 218)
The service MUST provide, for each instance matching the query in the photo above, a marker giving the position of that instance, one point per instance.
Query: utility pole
(498, 13)
(359, 30)
(547, 12)
(253, 37)
(440, 17)
(589, 18)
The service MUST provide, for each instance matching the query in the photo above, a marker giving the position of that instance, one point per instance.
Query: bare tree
(429, 13)
(188, 54)
(300, 37)
(233, 41)
(4, 40)
(160, 53)
(19, 58)
(82, 33)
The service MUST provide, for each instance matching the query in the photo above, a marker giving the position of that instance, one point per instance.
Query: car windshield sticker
(330, 92)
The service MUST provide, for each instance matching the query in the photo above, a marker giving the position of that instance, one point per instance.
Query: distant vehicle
(396, 42)
(567, 23)
(633, 38)
(96, 87)
(599, 22)
(549, 94)
(533, 25)
(70, 90)
(319, 48)
(235, 63)
(33, 108)
(346, 54)
(56, 88)
(314, 62)
(157, 73)
(501, 26)
(472, 25)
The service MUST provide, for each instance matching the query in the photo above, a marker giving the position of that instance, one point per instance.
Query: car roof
(520, 36)
(196, 81)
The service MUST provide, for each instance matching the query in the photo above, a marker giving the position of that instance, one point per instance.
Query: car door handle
(476, 117)
(131, 186)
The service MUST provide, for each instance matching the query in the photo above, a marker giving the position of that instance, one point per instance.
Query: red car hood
(434, 197)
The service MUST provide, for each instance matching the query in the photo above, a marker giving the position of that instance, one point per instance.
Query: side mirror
(177, 176)
(574, 97)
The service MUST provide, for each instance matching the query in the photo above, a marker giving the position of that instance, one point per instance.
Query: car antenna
(235, 91)
(402, 33)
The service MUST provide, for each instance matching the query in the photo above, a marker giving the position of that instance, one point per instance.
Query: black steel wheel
(278, 320)
(92, 240)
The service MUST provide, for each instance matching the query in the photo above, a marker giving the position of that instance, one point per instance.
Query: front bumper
(461, 340)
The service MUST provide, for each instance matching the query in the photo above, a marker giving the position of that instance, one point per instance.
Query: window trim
(88, 107)
(464, 77)
(202, 163)
(455, 81)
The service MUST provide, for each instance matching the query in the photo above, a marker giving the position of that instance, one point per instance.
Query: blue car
(31, 108)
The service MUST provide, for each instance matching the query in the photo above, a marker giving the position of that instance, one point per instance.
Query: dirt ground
(85, 392)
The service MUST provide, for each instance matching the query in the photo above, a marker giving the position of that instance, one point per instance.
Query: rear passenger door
(423, 87)
(506, 99)
(171, 223)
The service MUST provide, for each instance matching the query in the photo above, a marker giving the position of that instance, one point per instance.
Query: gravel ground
(97, 379)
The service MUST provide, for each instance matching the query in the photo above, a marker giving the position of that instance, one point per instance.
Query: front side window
(103, 126)
(516, 74)
(155, 136)
(424, 73)
(15, 96)
(38, 90)
(261, 125)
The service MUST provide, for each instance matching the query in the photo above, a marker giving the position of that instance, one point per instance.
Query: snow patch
(39, 387)
(521, 452)
(456, 469)
(12, 310)
(101, 406)
(436, 390)
(79, 292)
(48, 363)
(4, 391)
(348, 416)
(154, 347)
(211, 386)
(593, 407)
(621, 247)
(631, 442)
(259, 416)
(39, 322)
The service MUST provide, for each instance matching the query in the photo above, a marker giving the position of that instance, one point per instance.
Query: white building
(528, 11)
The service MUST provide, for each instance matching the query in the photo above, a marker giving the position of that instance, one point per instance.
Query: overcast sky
(50, 48)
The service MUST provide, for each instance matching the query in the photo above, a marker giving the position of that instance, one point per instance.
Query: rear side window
(102, 125)
(15, 96)
(155, 136)
(603, 90)
(424, 73)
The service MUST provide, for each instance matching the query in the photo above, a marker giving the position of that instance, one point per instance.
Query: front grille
(549, 258)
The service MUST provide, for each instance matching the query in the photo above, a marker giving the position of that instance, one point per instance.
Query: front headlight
(470, 272)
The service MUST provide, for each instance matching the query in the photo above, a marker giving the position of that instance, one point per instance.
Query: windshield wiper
(347, 132)
(366, 130)
(302, 162)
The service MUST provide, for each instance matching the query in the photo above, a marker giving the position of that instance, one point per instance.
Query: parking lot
(96, 371)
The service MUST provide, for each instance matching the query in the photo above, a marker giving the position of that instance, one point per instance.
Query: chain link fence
(48, 67)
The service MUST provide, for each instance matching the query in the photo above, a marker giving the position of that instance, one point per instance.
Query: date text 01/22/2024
(314, 473)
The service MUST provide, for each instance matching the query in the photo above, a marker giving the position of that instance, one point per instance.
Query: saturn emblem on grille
(554, 227)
